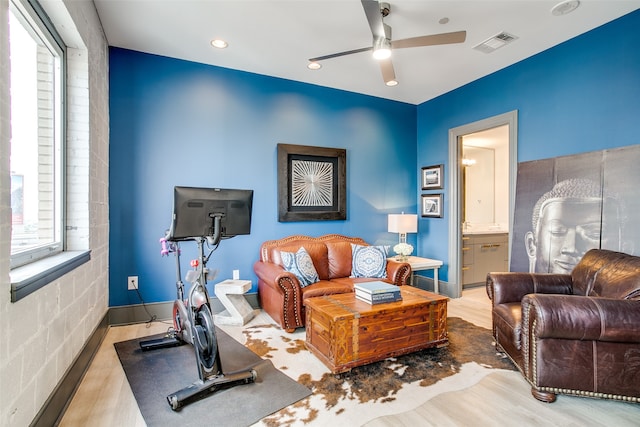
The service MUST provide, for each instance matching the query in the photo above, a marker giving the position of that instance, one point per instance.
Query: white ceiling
(277, 37)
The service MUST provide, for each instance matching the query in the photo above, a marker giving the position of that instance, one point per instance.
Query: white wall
(479, 189)
(43, 333)
(496, 139)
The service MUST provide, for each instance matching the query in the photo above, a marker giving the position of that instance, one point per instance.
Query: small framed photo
(432, 178)
(432, 205)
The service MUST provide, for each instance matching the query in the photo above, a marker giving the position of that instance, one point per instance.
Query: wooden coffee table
(345, 332)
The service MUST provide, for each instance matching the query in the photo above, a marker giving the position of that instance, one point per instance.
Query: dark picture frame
(312, 183)
(432, 205)
(432, 177)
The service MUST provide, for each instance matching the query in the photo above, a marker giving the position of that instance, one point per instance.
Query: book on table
(379, 298)
(376, 287)
(377, 292)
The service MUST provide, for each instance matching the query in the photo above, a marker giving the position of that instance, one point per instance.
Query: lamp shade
(403, 223)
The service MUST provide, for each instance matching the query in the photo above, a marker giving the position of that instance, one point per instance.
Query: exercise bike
(193, 324)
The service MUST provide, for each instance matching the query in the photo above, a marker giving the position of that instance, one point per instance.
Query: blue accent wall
(175, 122)
(580, 96)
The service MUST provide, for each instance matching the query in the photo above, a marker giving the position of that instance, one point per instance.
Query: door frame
(455, 179)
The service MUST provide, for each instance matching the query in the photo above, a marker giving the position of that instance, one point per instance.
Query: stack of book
(377, 292)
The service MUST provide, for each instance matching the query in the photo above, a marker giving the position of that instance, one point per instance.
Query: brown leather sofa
(575, 333)
(279, 291)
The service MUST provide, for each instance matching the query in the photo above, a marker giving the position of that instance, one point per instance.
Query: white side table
(231, 295)
(418, 263)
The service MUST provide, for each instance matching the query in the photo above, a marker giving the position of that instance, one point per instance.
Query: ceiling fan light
(382, 54)
(381, 48)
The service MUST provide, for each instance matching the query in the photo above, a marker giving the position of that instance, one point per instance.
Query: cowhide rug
(388, 387)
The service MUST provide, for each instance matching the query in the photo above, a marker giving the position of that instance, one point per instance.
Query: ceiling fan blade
(374, 17)
(388, 73)
(434, 39)
(335, 55)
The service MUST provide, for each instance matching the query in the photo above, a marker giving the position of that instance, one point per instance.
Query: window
(37, 134)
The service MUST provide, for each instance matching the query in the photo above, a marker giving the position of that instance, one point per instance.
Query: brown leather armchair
(279, 291)
(575, 333)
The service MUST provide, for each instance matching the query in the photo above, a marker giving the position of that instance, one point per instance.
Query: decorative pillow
(301, 265)
(369, 261)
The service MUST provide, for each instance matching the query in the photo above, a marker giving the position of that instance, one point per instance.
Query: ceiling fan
(382, 42)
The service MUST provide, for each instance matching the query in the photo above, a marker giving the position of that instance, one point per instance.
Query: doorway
(454, 285)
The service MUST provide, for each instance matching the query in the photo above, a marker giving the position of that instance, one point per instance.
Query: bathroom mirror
(479, 185)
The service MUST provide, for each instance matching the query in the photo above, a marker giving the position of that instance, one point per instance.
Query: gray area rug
(157, 373)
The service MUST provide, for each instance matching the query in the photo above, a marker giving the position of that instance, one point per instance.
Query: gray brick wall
(42, 334)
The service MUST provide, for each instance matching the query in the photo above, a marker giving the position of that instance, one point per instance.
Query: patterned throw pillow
(301, 265)
(369, 261)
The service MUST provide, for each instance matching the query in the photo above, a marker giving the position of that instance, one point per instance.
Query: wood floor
(104, 397)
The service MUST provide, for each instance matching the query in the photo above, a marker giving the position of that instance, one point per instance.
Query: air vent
(495, 42)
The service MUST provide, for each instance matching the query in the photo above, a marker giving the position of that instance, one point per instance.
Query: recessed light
(392, 83)
(219, 43)
(444, 20)
(314, 66)
(565, 7)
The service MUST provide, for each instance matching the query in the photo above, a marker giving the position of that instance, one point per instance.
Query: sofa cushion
(351, 281)
(326, 287)
(316, 250)
(300, 264)
(340, 263)
(369, 261)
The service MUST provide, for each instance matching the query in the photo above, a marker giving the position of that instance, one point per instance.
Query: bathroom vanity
(482, 253)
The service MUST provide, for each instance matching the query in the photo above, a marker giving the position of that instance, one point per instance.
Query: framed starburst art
(311, 183)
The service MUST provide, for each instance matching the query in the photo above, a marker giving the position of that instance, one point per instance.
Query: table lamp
(403, 224)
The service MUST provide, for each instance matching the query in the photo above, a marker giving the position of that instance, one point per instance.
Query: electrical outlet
(132, 283)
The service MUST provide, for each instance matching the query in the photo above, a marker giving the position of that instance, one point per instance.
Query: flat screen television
(195, 210)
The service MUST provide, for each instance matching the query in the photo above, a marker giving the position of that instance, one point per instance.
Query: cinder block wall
(43, 333)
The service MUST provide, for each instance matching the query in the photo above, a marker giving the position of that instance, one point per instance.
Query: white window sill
(29, 278)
